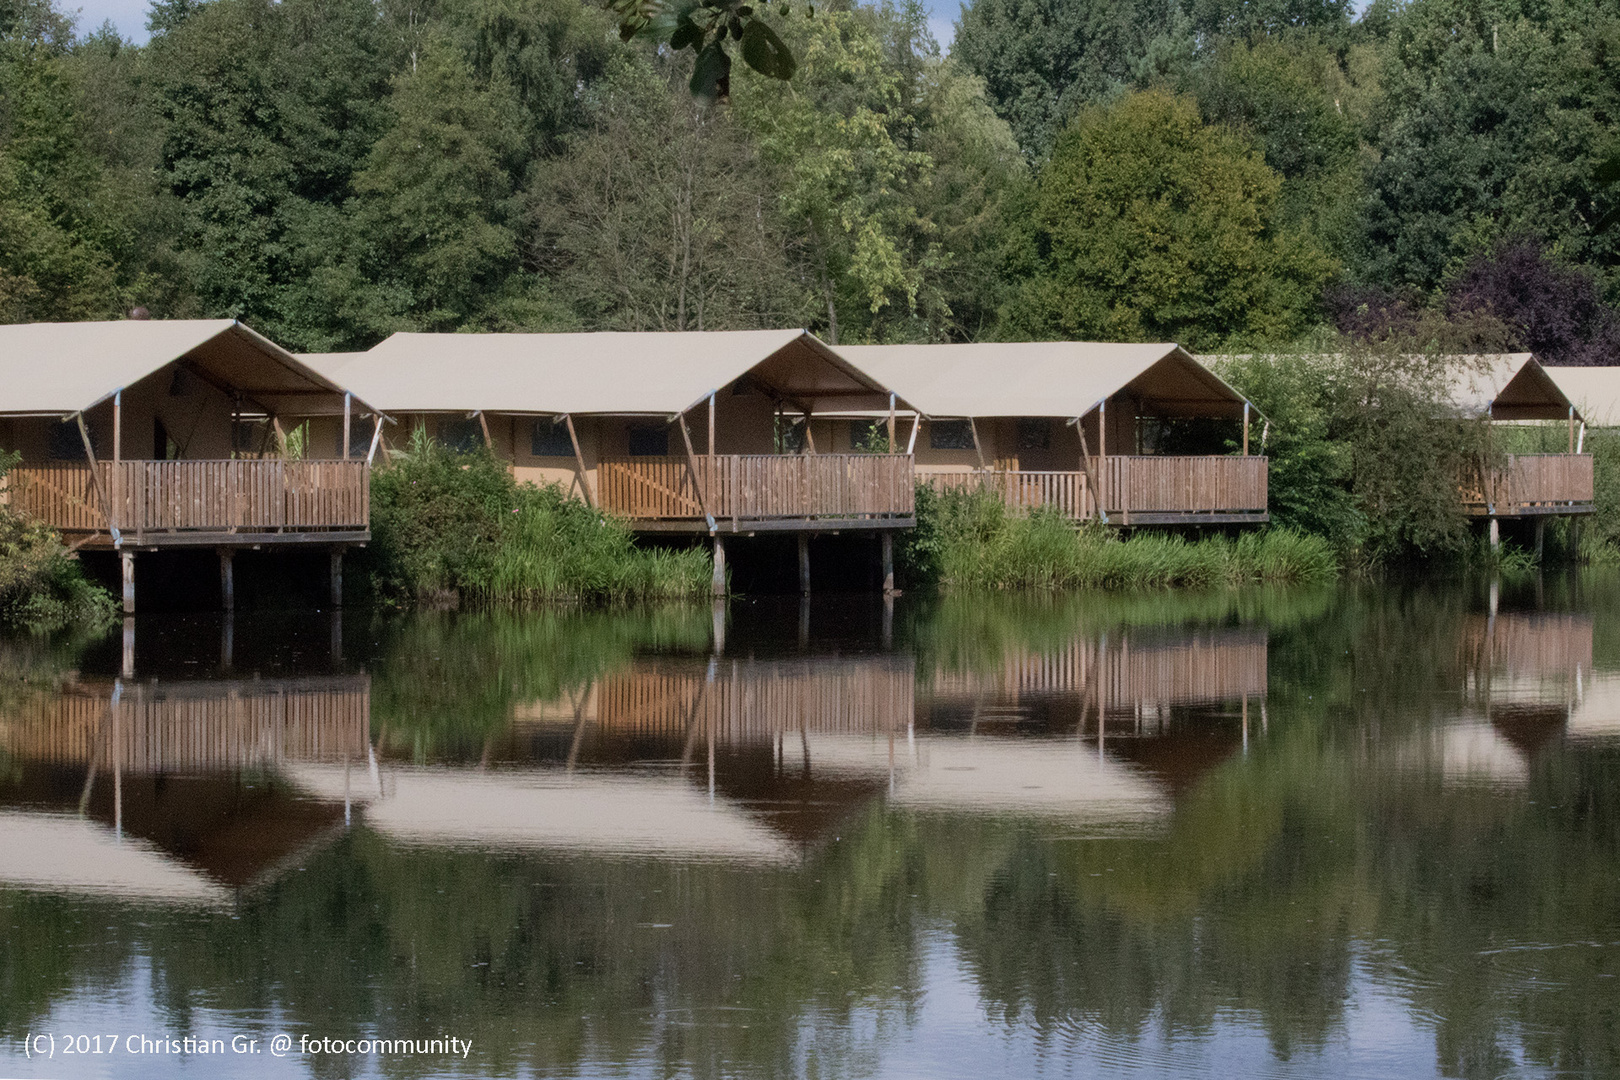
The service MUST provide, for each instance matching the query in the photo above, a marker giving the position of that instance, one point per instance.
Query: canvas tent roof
(1595, 391)
(61, 368)
(1044, 378)
(601, 373)
(1508, 386)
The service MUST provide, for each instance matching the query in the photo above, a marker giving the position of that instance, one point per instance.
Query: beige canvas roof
(1508, 386)
(1595, 391)
(60, 368)
(603, 373)
(1045, 378)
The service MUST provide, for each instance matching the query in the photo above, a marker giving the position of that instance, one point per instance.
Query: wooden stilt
(227, 579)
(337, 577)
(126, 562)
(804, 564)
(1541, 536)
(886, 539)
(718, 585)
(127, 667)
(1496, 534)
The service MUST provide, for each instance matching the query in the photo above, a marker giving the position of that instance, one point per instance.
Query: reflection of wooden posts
(127, 666)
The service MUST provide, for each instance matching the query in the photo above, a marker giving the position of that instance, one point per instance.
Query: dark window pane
(461, 434)
(1034, 434)
(789, 435)
(66, 443)
(550, 439)
(360, 432)
(648, 440)
(249, 436)
(950, 435)
(868, 434)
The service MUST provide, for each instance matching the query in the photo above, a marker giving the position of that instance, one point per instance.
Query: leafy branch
(703, 26)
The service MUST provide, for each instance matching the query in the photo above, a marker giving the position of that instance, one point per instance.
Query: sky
(129, 16)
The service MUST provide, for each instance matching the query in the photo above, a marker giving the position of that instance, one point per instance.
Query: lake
(1349, 832)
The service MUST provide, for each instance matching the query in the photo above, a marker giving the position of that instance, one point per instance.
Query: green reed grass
(978, 544)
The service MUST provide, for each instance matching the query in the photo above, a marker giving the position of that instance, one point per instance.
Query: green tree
(661, 216)
(1152, 226)
(436, 192)
(1042, 60)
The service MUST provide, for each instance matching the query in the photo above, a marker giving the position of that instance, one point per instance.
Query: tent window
(549, 438)
(647, 440)
(950, 435)
(867, 434)
(1034, 434)
(66, 445)
(460, 434)
(360, 431)
(248, 436)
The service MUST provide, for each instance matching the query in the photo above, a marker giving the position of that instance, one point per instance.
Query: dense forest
(1223, 173)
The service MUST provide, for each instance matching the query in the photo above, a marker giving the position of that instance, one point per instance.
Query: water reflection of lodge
(1523, 679)
(137, 789)
(202, 726)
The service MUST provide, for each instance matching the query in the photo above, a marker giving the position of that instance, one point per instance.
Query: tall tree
(661, 216)
(1156, 227)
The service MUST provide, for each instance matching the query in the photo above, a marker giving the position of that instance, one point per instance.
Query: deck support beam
(336, 576)
(804, 564)
(227, 579)
(886, 540)
(1541, 536)
(126, 563)
(717, 585)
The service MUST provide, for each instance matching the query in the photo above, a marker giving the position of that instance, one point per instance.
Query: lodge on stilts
(1515, 387)
(1093, 430)
(705, 433)
(143, 436)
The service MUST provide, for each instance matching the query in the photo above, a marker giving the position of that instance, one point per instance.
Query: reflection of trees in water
(1325, 852)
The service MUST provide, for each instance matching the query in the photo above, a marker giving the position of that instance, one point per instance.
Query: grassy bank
(448, 525)
(42, 587)
(968, 540)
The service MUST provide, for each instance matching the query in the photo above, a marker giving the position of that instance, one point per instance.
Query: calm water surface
(1341, 833)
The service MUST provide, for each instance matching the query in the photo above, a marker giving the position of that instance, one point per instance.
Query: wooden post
(483, 425)
(126, 562)
(95, 470)
(891, 422)
(1541, 536)
(281, 436)
(348, 412)
(127, 666)
(1102, 448)
(1496, 534)
(911, 443)
(717, 629)
(118, 459)
(691, 467)
(579, 462)
(1245, 429)
(337, 576)
(1085, 467)
(804, 564)
(809, 435)
(711, 423)
(717, 585)
(978, 448)
(1572, 429)
(886, 539)
(227, 579)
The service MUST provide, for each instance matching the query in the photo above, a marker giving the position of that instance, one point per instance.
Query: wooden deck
(180, 503)
(760, 492)
(1141, 490)
(1529, 485)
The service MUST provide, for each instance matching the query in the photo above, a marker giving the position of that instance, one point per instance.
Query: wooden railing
(1149, 486)
(1544, 483)
(269, 495)
(754, 487)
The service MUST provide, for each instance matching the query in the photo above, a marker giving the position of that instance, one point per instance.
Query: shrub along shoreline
(42, 587)
(968, 540)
